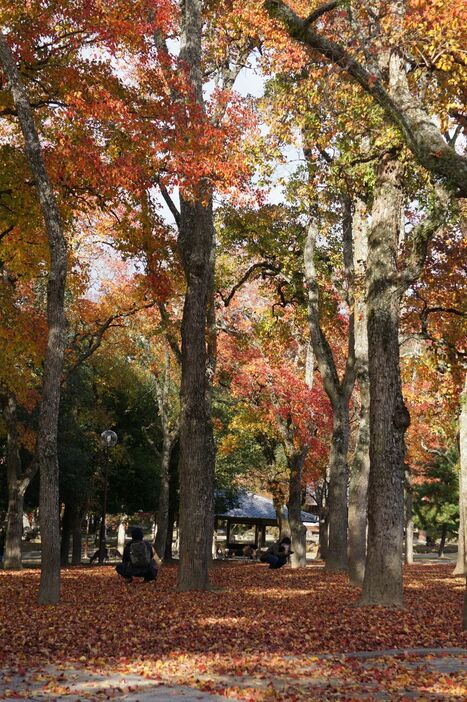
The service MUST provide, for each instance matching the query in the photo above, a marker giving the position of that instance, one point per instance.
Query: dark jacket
(276, 549)
(126, 556)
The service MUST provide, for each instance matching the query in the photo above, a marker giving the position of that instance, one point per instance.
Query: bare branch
(94, 340)
(6, 231)
(12, 112)
(169, 202)
(261, 265)
(172, 340)
(319, 12)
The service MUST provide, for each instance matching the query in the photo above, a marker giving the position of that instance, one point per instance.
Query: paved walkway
(78, 685)
(317, 677)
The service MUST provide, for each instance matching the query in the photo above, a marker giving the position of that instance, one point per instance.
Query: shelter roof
(251, 506)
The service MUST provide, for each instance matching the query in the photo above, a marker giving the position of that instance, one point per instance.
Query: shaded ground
(262, 637)
(31, 554)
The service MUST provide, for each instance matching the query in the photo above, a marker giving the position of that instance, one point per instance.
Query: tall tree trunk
(463, 488)
(66, 536)
(408, 525)
(294, 506)
(49, 591)
(360, 469)
(14, 528)
(442, 542)
(76, 518)
(168, 555)
(460, 568)
(16, 483)
(196, 237)
(323, 536)
(389, 417)
(196, 438)
(321, 496)
(162, 516)
(339, 395)
(170, 435)
(279, 508)
(336, 557)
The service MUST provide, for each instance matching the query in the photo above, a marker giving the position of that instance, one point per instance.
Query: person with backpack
(138, 559)
(277, 554)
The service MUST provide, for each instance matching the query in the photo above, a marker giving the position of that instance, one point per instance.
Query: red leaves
(254, 640)
(95, 617)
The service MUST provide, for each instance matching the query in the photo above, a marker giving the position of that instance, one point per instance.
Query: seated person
(277, 554)
(249, 551)
(105, 553)
(138, 559)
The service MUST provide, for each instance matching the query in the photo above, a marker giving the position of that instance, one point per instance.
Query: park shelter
(254, 521)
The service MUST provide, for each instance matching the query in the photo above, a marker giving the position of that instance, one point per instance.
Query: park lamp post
(108, 440)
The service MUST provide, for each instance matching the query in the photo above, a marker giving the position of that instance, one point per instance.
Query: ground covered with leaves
(260, 635)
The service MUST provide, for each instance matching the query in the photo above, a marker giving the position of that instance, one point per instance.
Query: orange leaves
(126, 111)
(225, 642)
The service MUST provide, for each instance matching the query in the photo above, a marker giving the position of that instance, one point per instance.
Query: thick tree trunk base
(49, 592)
(357, 573)
(12, 564)
(14, 530)
(378, 602)
(335, 564)
(12, 552)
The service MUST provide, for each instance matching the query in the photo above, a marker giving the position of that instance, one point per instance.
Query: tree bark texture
(408, 525)
(389, 417)
(442, 541)
(321, 496)
(196, 236)
(168, 555)
(14, 528)
(463, 487)
(336, 557)
(360, 467)
(66, 537)
(76, 518)
(339, 395)
(170, 430)
(460, 568)
(162, 517)
(49, 591)
(294, 506)
(17, 483)
(196, 435)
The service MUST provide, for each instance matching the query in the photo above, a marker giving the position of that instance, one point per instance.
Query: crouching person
(138, 559)
(277, 554)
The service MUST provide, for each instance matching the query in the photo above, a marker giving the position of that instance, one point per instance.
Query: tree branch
(422, 136)
(319, 12)
(95, 339)
(6, 231)
(321, 348)
(419, 241)
(446, 310)
(169, 202)
(172, 341)
(264, 265)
